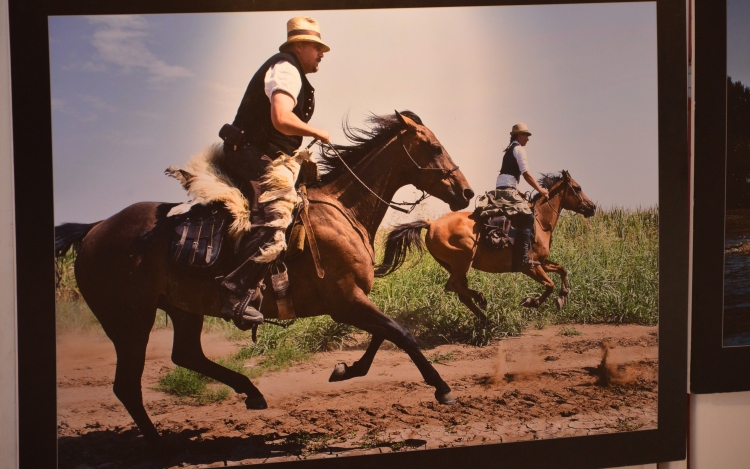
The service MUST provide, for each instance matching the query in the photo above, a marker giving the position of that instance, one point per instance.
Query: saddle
(200, 234)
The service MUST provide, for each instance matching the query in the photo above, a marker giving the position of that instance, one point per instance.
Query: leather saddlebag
(197, 238)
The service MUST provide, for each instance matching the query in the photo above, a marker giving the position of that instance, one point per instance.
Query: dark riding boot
(521, 259)
(244, 284)
(522, 248)
(244, 310)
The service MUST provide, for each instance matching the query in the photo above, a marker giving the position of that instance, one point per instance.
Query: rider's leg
(243, 283)
(521, 258)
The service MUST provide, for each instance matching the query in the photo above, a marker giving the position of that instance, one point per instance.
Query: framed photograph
(582, 368)
(720, 324)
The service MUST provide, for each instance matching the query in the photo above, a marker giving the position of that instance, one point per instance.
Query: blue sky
(132, 95)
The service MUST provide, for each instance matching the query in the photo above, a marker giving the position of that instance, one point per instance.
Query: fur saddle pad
(498, 232)
(205, 179)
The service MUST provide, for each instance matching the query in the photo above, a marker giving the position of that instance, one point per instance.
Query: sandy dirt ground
(539, 385)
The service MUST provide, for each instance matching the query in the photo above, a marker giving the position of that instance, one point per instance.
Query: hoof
(530, 303)
(446, 398)
(560, 302)
(256, 403)
(339, 373)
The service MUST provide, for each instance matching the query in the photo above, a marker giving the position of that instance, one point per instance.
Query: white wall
(719, 430)
(8, 413)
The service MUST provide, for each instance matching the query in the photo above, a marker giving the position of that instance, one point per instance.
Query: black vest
(254, 113)
(510, 165)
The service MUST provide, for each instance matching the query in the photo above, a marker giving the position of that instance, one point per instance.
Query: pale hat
(303, 28)
(520, 128)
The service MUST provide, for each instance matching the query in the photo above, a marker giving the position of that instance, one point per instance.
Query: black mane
(547, 181)
(381, 129)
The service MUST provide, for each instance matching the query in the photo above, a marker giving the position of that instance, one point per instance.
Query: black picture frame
(713, 368)
(34, 239)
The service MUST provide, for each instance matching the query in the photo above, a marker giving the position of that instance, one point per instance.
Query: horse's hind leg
(343, 372)
(130, 342)
(459, 284)
(562, 296)
(187, 352)
(538, 274)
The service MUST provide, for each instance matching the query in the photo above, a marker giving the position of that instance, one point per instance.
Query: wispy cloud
(98, 103)
(121, 40)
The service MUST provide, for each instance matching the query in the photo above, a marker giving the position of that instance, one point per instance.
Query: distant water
(736, 293)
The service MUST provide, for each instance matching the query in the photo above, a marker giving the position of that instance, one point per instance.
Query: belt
(506, 187)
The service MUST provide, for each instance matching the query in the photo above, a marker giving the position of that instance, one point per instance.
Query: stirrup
(244, 315)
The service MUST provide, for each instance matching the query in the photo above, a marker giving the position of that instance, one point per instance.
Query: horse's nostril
(468, 194)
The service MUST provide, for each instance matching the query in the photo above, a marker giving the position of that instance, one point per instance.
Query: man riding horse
(271, 121)
(506, 199)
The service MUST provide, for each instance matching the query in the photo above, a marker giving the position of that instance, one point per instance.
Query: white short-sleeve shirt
(283, 76)
(508, 180)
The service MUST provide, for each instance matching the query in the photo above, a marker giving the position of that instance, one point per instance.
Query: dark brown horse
(453, 240)
(122, 266)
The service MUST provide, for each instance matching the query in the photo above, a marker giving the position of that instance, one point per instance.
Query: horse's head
(432, 170)
(573, 198)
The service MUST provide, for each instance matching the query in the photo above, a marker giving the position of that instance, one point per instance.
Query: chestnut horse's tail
(70, 234)
(400, 241)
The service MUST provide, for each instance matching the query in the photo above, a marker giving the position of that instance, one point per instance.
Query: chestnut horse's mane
(547, 181)
(363, 142)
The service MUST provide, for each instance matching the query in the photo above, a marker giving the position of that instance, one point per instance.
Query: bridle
(392, 204)
(565, 186)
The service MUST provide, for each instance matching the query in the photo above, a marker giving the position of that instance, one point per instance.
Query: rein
(549, 200)
(392, 204)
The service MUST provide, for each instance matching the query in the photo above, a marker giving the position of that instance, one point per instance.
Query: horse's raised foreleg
(459, 284)
(364, 315)
(187, 352)
(537, 273)
(343, 372)
(562, 296)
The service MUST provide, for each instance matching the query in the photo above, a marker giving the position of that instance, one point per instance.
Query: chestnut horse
(453, 240)
(123, 268)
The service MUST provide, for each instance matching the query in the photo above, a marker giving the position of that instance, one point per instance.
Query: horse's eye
(437, 150)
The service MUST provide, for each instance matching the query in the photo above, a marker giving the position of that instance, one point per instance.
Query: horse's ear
(407, 122)
(565, 175)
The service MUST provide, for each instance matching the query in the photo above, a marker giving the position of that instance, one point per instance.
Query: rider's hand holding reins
(535, 184)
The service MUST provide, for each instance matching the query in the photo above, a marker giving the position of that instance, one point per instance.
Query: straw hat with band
(520, 128)
(303, 28)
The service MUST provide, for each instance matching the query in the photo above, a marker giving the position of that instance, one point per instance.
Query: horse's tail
(401, 240)
(70, 234)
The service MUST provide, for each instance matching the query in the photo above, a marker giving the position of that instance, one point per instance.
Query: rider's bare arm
(535, 184)
(286, 122)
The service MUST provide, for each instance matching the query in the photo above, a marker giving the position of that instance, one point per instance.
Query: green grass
(569, 331)
(442, 358)
(186, 383)
(611, 259)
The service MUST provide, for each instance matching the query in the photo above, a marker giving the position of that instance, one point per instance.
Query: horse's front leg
(562, 295)
(537, 273)
(343, 372)
(363, 314)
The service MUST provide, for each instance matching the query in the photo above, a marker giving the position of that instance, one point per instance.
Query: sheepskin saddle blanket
(205, 179)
